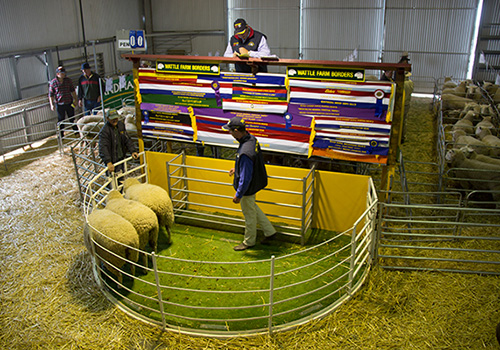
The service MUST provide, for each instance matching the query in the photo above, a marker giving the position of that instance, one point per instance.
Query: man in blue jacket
(250, 176)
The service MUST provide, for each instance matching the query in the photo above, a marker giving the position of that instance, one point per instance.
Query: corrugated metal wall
(334, 29)
(437, 34)
(31, 26)
(191, 16)
(279, 20)
(488, 43)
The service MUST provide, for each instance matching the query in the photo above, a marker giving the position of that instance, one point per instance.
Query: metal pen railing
(280, 292)
(179, 182)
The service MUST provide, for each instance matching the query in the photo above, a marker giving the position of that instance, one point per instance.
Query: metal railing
(281, 292)
(179, 187)
(447, 238)
(21, 128)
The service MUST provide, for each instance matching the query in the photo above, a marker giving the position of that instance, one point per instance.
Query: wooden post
(389, 169)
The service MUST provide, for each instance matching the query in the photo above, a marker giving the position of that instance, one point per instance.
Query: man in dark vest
(247, 42)
(250, 176)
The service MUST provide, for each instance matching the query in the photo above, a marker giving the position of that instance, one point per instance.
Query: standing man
(247, 42)
(114, 142)
(63, 97)
(250, 176)
(89, 89)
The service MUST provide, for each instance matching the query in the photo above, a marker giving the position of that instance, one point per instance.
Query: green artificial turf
(249, 292)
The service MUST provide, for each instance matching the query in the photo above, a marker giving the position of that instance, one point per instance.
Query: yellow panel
(339, 199)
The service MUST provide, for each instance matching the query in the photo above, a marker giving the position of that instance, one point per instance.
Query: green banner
(118, 92)
(337, 74)
(187, 67)
(180, 100)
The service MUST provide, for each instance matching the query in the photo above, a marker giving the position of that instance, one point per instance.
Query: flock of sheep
(474, 156)
(127, 225)
(90, 125)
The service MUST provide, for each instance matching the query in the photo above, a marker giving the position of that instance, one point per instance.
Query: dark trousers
(62, 112)
(89, 105)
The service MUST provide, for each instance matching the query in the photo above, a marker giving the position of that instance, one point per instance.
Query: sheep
(459, 90)
(141, 217)
(473, 92)
(496, 96)
(471, 154)
(486, 110)
(452, 101)
(130, 125)
(475, 174)
(84, 121)
(490, 88)
(486, 124)
(466, 123)
(490, 140)
(112, 233)
(155, 198)
(461, 139)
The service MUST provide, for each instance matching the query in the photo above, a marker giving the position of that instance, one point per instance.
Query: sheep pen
(50, 299)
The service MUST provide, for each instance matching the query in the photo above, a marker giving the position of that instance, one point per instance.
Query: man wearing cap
(250, 176)
(247, 42)
(114, 142)
(89, 90)
(62, 97)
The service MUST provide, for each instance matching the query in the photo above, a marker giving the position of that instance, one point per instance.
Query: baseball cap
(113, 114)
(60, 69)
(234, 123)
(240, 26)
(85, 65)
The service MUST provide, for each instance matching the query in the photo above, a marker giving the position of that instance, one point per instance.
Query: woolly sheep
(459, 90)
(114, 234)
(466, 123)
(471, 154)
(84, 122)
(486, 124)
(474, 92)
(130, 125)
(155, 198)
(472, 106)
(141, 217)
(452, 101)
(461, 140)
(475, 174)
(490, 140)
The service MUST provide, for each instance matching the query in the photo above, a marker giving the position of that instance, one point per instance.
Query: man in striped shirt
(62, 96)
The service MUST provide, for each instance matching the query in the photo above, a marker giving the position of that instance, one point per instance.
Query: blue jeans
(89, 105)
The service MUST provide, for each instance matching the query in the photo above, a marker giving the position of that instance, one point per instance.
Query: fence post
(353, 259)
(158, 289)
(271, 296)
(303, 219)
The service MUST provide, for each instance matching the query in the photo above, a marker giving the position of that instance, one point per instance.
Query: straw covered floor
(49, 299)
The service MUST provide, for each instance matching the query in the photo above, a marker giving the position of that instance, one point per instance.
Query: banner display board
(322, 112)
(118, 89)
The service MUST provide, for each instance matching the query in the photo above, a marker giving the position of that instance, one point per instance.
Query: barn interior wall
(437, 35)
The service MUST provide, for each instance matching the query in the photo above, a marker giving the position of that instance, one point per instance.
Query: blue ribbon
(288, 120)
(216, 88)
(145, 115)
(379, 108)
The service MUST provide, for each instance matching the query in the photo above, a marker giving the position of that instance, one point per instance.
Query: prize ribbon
(216, 88)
